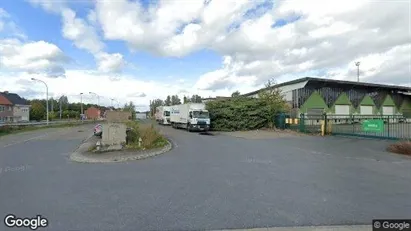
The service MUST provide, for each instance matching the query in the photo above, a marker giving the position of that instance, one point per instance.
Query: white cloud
(84, 34)
(127, 88)
(326, 39)
(110, 62)
(158, 28)
(321, 37)
(18, 54)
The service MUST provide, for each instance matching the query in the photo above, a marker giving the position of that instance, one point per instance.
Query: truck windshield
(201, 114)
(166, 113)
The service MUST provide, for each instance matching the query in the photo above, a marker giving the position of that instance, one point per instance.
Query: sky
(141, 50)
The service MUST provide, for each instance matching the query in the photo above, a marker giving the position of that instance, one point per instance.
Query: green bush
(150, 137)
(244, 113)
(238, 113)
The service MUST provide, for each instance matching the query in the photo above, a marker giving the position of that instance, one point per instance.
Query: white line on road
(310, 228)
(24, 141)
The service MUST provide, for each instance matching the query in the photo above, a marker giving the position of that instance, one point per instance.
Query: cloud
(33, 57)
(167, 28)
(326, 39)
(137, 95)
(110, 62)
(84, 35)
(127, 88)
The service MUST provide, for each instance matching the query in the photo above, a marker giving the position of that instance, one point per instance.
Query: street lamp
(358, 71)
(81, 102)
(47, 98)
(98, 97)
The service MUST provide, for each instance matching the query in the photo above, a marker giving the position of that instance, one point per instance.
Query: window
(9, 108)
(2, 108)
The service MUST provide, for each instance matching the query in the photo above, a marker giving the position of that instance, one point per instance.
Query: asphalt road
(205, 182)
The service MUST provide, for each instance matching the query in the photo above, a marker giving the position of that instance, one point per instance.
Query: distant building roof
(14, 98)
(4, 101)
(312, 79)
(215, 98)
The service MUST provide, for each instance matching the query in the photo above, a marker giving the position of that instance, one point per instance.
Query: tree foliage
(154, 104)
(195, 99)
(130, 107)
(37, 110)
(244, 113)
(167, 102)
(235, 94)
(175, 100)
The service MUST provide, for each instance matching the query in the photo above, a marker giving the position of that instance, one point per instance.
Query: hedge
(239, 113)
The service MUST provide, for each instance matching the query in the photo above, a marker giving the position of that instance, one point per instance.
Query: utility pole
(81, 105)
(60, 107)
(47, 98)
(358, 71)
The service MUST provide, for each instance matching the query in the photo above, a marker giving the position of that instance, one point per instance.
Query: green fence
(372, 126)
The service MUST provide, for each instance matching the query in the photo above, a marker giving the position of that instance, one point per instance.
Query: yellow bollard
(287, 120)
(295, 121)
(322, 128)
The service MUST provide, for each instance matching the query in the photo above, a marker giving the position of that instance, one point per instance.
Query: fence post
(325, 122)
(302, 123)
(388, 126)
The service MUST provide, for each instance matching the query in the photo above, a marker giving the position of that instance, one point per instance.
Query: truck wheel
(188, 127)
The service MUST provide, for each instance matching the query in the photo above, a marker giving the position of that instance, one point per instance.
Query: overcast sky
(140, 50)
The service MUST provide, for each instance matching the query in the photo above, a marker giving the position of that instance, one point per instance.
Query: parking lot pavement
(208, 183)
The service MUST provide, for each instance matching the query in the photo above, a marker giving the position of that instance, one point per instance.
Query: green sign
(373, 126)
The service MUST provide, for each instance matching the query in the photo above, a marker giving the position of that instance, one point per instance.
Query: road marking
(24, 141)
(309, 228)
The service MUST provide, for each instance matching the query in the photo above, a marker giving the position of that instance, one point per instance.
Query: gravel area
(261, 134)
(83, 155)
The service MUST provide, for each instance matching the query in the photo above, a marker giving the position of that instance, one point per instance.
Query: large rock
(114, 133)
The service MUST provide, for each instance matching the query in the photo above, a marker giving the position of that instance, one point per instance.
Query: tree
(37, 110)
(235, 94)
(186, 100)
(274, 99)
(154, 104)
(168, 102)
(175, 100)
(131, 108)
(63, 101)
(196, 99)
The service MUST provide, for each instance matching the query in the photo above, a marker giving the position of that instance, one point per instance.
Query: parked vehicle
(163, 115)
(98, 130)
(190, 116)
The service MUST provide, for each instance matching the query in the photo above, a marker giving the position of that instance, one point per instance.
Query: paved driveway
(205, 182)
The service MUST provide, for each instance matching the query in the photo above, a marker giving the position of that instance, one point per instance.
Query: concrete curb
(309, 228)
(78, 155)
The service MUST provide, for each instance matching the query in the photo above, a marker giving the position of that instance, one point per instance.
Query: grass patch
(402, 147)
(11, 129)
(150, 137)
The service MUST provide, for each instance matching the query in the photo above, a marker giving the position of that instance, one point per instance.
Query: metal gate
(371, 126)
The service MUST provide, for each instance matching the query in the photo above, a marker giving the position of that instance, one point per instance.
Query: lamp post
(358, 71)
(81, 104)
(47, 98)
(98, 98)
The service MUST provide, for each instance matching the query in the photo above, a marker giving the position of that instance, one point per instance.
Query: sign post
(373, 126)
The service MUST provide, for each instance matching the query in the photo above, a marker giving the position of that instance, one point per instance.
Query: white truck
(190, 116)
(163, 115)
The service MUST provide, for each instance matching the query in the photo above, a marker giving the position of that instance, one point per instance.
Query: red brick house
(6, 109)
(92, 113)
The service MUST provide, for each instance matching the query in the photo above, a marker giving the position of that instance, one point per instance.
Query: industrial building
(313, 96)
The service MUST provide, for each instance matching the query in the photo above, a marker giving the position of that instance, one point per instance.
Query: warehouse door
(366, 110)
(342, 111)
(388, 110)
